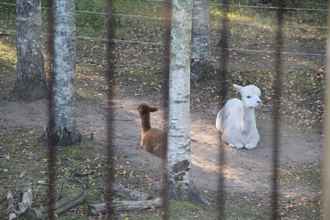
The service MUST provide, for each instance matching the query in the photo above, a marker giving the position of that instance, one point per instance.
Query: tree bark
(200, 38)
(64, 72)
(179, 147)
(30, 78)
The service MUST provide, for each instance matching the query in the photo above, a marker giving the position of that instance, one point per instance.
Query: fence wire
(258, 6)
(160, 44)
(160, 18)
(272, 7)
(222, 76)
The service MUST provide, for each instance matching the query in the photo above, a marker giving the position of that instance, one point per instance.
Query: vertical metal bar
(165, 91)
(110, 109)
(222, 81)
(51, 122)
(277, 88)
(326, 159)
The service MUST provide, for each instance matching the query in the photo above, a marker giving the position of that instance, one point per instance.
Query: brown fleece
(152, 139)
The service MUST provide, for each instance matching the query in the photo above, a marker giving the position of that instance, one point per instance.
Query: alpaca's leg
(234, 131)
(234, 138)
(251, 146)
(218, 121)
(253, 140)
(237, 145)
(232, 122)
(141, 140)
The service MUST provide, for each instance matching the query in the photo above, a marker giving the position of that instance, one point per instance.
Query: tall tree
(30, 77)
(64, 71)
(179, 148)
(200, 38)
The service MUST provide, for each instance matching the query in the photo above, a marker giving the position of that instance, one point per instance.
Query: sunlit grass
(7, 53)
(238, 17)
(232, 15)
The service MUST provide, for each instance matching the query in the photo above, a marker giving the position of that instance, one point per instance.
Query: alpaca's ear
(237, 87)
(153, 109)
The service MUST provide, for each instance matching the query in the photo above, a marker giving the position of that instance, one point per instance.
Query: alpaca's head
(145, 109)
(250, 95)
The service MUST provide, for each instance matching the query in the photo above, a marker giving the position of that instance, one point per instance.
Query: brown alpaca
(152, 139)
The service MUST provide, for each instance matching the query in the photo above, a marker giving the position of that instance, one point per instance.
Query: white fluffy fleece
(237, 121)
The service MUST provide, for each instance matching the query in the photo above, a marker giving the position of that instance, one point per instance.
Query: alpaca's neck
(145, 122)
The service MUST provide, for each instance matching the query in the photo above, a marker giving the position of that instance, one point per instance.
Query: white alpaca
(236, 120)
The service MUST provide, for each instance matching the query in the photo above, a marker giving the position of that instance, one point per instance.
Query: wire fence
(222, 73)
(8, 31)
(272, 7)
(159, 18)
(325, 10)
(144, 43)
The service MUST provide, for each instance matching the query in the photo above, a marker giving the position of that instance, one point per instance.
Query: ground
(138, 79)
(248, 173)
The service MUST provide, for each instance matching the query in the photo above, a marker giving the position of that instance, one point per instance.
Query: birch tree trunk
(179, 148)
(64, 72)
(30, 78)
(200, 38)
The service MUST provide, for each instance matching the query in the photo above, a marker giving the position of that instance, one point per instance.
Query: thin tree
(179, 147)
(200, 39)
(64, 72)
(30, 78)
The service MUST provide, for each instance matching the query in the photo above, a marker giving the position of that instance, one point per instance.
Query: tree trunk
(30, 78)
(64, 71)
(200, 38)
(179, 148)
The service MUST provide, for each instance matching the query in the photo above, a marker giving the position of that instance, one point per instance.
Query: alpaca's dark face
(144, 109)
